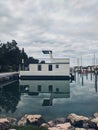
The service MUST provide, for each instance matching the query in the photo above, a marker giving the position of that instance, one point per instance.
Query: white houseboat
(55, 69)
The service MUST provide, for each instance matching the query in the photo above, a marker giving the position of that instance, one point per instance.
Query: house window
(50, 88)
(57, 66)
(57, 90)
(39, 68)
(50, 67)
(39, 88)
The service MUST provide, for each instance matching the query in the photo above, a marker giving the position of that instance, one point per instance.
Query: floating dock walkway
(10, 76)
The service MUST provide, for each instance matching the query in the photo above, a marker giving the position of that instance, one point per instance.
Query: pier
(10, 76)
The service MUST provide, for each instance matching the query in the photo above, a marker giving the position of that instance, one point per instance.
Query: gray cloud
(68, 27)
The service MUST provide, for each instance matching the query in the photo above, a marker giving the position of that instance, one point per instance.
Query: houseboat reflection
(46, 90)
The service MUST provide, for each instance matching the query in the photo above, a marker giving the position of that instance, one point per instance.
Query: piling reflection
(47, 90)
(85, 78)
(96, 82)
(91, 76)
(9, 97)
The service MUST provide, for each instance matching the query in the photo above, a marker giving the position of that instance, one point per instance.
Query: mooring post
(95, 80)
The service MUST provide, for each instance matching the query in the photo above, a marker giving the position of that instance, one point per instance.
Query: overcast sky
(68, 27)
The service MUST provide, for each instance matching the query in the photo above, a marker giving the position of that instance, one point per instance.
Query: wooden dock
(5, 77)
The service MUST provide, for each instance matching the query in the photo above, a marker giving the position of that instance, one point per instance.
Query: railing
(5, 77)
(53, 60)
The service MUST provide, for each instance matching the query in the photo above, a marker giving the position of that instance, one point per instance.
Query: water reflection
(46, 90)
(52, 99)
(43, 91)
(9, 97)
(84, 78)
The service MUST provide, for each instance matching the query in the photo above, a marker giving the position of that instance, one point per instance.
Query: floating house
(54, 69)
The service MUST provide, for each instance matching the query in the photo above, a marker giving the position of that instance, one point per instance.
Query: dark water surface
(51, 99)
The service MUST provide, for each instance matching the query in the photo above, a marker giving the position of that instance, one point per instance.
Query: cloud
(68, 27)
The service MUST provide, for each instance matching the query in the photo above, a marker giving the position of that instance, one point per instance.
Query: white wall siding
(63, 86)
(59, 60)
(62, 70)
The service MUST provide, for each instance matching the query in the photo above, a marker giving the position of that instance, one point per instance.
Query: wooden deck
(2, 75)
(5, 77)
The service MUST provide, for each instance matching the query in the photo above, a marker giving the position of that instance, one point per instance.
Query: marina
(49, 65)
(42, 87)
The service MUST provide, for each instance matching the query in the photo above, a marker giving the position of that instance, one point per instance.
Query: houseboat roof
(46, 51)
(55, 60)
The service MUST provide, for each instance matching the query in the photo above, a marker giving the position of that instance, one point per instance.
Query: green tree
(11, 56)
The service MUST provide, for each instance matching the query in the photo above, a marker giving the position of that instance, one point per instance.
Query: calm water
(52, 99)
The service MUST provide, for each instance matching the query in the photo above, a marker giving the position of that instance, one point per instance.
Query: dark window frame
(57, 66)
(50, 88)
(39, 67)
(50, 67)
(39, 88)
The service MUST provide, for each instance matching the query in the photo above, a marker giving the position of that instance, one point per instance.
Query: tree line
(12, 58)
